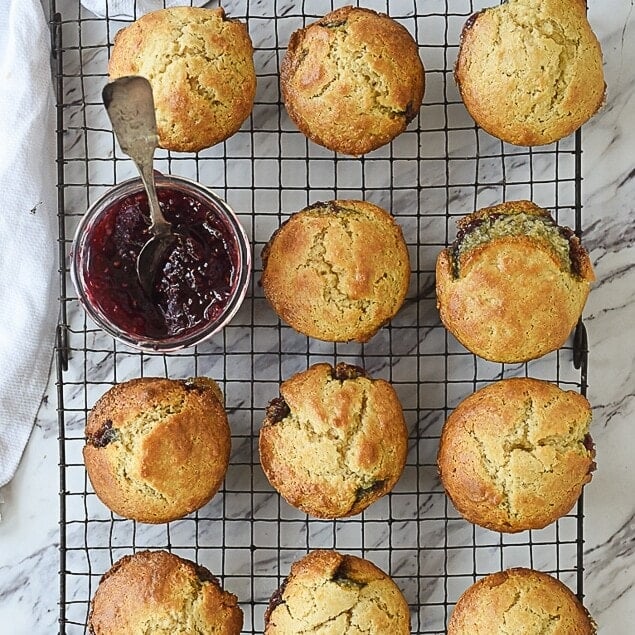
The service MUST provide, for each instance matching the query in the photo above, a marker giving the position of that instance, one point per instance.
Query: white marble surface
(29, 532)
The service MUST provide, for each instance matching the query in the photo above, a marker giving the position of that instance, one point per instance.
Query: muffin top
(520, 601)
(332, 593)
(353, 80)
(157, 449)
(530, 71)
(335, 441)
(516, 454)
(337, 271)
(513, 284)
(157, 592)
(200, 65)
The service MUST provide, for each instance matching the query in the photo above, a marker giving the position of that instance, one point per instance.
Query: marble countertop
(29, 505)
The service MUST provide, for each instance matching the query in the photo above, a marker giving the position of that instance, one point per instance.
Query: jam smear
(105, 434)
(363, 492)
(277, 410)
(193, 283)
(342, 575)
(276, 600)
(344, 371)
(205, 575)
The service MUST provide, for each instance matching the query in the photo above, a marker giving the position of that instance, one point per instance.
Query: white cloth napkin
(28, 289)
(130, 8)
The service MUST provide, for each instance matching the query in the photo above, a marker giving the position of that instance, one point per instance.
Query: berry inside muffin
(157, 449)
(530, 71)
(513, 284)
(334, 441)
(329, 592)
(353, 80)
(160, 593)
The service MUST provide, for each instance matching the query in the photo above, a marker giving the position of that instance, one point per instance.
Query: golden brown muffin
(353, 80)
(201, 68)
(337, 271)
(157, 449)
(516, 454)
(157, 592)
(521, 601)
(335, 441)
(513, 284)
(530, 71)
(335, 594)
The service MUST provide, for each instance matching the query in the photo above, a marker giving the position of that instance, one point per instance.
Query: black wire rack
(441, 168)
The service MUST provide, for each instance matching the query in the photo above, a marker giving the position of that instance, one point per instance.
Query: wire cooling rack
(441, 168)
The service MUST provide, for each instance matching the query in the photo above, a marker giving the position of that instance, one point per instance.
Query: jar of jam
(200, 281)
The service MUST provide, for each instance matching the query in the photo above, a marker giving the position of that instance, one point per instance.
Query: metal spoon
(130, 107)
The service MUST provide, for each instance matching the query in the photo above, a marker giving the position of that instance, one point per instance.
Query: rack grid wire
(441, 168)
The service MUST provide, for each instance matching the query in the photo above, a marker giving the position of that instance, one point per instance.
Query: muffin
(157, 449)
(335, 441)
(513, 284)
(337, 271)
(530, 71)
(328, 592)
(157, 592)
(353, 80)
(520, 601)
(516, 454)
(201, 68)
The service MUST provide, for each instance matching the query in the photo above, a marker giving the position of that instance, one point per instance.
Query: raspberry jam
(199, 274)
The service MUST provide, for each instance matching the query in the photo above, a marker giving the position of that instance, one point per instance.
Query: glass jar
(199, 285)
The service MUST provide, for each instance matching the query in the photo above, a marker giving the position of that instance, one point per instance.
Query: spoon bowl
(151, 257)
(130, 107)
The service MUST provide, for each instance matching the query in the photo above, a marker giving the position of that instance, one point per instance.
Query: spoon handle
(130, 107)
(158, 224)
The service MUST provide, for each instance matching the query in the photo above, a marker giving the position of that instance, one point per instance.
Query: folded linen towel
(28, 287)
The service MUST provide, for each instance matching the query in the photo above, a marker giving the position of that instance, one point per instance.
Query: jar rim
(179, 341)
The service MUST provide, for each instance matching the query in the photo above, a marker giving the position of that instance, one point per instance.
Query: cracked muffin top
(335, 441)
(157, 592)
(530, 71)
(337, 271)
(513, 284)
(200, 65)
(516, 454)
(520, 601)
(157, 449)
(337, 594)
(353, 80)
